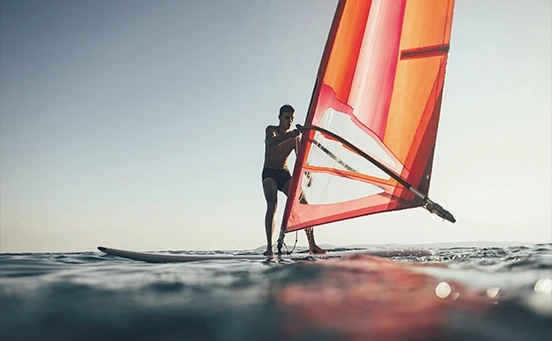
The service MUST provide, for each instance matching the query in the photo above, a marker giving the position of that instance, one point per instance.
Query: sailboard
(369, 137)
(152, 257)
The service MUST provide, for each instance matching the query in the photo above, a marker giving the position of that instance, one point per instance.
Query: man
(279, 143)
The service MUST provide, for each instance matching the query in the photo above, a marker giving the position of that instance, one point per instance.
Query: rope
(283, 243)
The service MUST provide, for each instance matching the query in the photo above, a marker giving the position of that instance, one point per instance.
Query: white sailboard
(151, 257)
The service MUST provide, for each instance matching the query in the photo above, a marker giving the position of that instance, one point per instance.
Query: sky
(140, 124)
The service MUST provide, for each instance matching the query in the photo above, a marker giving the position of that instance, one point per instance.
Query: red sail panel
(379, 86)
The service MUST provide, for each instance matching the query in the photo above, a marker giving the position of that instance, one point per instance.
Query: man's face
(286, 119)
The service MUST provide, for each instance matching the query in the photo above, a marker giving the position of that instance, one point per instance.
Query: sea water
(462, 293)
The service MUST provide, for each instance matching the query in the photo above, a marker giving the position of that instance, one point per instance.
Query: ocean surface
(457, 293)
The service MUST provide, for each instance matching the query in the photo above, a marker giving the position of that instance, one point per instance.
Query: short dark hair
(285, 108)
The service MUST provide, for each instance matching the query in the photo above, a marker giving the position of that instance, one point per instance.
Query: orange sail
(379, 86)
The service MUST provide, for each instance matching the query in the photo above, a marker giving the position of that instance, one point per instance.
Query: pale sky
(140, 124)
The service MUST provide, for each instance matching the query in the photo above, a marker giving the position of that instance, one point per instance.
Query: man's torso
(276, 157)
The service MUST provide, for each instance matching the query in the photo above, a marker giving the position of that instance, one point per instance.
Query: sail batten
(379, 85)
(425, 51)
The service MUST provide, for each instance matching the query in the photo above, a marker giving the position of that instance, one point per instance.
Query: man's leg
(309, 231)
(270, 189)
(313, 248)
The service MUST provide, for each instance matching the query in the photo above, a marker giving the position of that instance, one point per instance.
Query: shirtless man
(279, 143)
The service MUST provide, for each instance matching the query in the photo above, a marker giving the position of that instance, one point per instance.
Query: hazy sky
(140, 124)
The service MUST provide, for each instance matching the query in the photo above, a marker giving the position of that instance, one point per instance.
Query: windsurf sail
(369, 137)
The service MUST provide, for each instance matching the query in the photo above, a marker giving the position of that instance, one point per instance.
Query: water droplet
(442, 290)
(493, 292)
(544, 285)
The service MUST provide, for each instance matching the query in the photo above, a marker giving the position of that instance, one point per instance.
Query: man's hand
(273, 140)
(309, 179)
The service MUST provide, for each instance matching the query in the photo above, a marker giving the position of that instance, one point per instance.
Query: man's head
(286, 116)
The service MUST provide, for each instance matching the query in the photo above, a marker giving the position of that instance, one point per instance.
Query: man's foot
(313, 248)
(317, 250)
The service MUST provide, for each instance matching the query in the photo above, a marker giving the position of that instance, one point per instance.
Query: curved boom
(430, 205)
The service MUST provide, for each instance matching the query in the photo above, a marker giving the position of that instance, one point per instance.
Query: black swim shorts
(281, 176)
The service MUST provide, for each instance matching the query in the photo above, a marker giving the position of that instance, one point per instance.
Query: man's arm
(272, 140)
(307, 173)
(296, 148)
